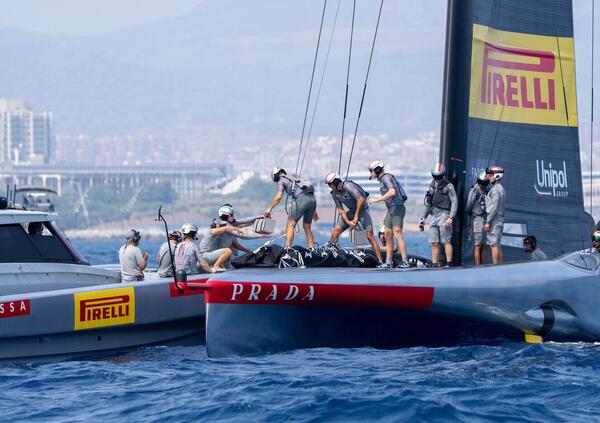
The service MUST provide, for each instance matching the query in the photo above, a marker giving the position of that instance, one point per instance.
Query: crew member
(441, 203)
(302, 205)
(530, 246)
(163, 258)
(133, 262)
(495, 203)
(382, 239)
(394, 197)
(35, 228)
(218, 246)
(187, 254)
(351, 195)
(596, 241)
(476, 206)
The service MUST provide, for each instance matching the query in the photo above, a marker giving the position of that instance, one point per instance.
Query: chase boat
(510, 99)
(54, 305)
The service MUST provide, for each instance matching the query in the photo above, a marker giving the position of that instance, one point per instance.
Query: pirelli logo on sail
(522, 78)
(110, 307)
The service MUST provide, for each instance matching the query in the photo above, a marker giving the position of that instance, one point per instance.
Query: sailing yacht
(54, 305)
(509, 99)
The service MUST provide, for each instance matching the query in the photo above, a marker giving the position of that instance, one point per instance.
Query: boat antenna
(592, 119)
(314, 112)
(362, 99)
(347, 86)
(161, 218)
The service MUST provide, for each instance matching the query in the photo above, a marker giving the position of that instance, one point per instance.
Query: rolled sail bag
(264, 225)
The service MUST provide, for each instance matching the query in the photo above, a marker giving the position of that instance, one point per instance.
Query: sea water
(502, 382)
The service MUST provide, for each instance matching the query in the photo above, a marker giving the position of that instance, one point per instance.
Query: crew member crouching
(351, 195)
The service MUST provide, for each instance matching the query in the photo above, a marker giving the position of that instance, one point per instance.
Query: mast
(453, 128)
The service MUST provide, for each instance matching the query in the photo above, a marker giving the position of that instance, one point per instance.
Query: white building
(25, 136)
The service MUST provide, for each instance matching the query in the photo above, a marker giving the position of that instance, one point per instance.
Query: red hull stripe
(189, 288)
(306, 294)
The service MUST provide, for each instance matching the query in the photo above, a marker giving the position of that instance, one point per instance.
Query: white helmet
(331, 177)
(382, 229)
(225, 210)
(496, 171)
(188, 228)
(275, 173)
(376, 166)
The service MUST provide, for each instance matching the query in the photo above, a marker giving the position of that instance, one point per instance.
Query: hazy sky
(87, 17)
(271, 24)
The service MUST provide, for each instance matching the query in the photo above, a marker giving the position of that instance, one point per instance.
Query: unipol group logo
(551, 181)
(522, 78)
(110, 307)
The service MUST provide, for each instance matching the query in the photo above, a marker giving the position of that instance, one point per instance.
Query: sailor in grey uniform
(476, 206)
(394, 197)
(530, 246)
(219, 244)
(351, 195)
(187, 254)
(302, 203)
(495, 203)
(163, 258)
(441, 203)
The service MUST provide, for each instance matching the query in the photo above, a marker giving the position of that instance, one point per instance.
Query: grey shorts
(364, 218)
(304, 208)
(477, 227)
(212, 256)
(394, 218)
(437, 231)
(494, 235)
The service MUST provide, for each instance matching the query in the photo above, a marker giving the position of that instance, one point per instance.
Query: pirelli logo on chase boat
(110, 307)
(522, 78)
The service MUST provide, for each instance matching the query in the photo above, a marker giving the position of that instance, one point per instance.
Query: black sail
(510, 99)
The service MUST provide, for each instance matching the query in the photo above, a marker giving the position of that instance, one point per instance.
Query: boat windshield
(583, 260)
(36, 242)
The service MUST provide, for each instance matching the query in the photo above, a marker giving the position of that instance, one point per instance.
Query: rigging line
(562, 81)
(312, 120)
(312, 77)
(364, 89)
(347, 85)
(592, 120)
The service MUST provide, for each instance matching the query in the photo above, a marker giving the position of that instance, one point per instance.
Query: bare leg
(389, 245)
(401, 243)
(223, 257)
(335, 233)
(289, 233)
(374, 244)
(448, 250)
(496, 254)
(310, 239)
(484, 253)
(477, 254)
(435, 252)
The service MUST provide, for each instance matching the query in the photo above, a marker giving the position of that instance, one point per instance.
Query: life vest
(436, 197)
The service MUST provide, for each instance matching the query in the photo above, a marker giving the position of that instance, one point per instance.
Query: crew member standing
(441, 203)
(133, 262)
(303, 204)
(351, 195)
(394, 197)
(476, 206)
(495, 203)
